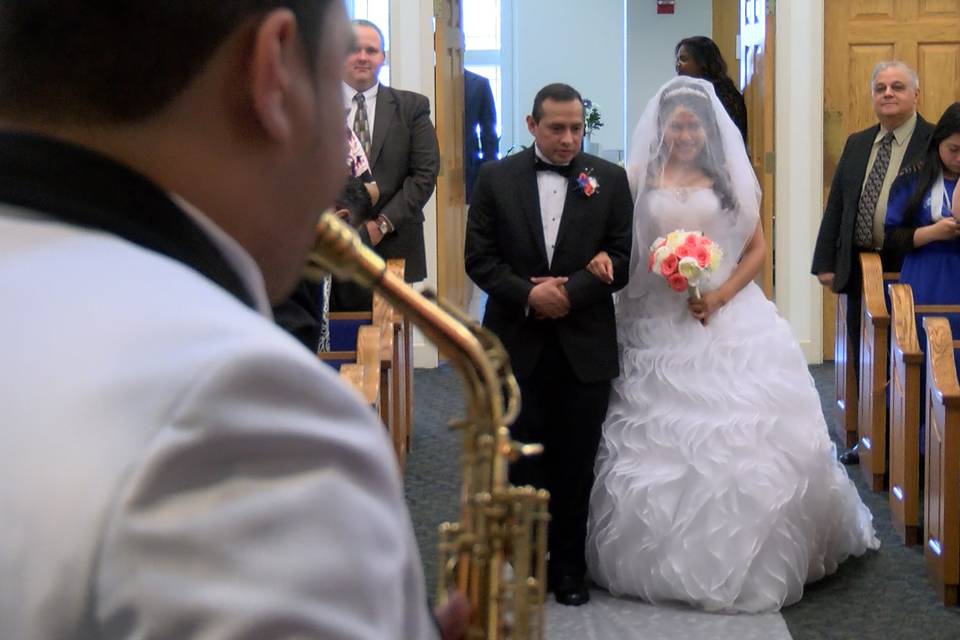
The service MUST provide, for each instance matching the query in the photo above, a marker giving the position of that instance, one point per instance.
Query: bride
(716, 482)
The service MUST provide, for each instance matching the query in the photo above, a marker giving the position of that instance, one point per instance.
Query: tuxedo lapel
(526, 185)
(573, 203)
(385, 113)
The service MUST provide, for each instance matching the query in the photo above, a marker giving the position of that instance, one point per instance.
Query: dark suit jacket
(835, 250)
(480, 142)
(505, 248)
(405, 161)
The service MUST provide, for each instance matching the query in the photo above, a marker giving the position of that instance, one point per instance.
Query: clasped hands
(549, 299)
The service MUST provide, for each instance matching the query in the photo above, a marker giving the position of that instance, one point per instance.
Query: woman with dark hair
(699, 57)
(922, 219)
(716, 480)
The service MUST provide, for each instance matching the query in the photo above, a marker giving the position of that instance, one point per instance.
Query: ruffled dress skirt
(717, 484)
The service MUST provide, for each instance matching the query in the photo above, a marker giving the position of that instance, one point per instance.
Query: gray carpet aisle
(883, 595)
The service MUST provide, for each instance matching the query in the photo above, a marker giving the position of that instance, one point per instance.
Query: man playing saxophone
(174, 465)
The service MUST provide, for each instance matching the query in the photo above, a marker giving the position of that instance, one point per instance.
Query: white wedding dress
(717, 484)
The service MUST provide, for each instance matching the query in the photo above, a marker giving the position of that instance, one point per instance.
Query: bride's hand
(601, 267)
(703, 308)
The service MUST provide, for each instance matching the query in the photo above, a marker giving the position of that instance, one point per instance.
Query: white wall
(411, 68)
(579, 43)
(799, 167)
(651, 39)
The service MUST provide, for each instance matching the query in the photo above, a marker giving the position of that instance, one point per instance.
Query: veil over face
(686, 122)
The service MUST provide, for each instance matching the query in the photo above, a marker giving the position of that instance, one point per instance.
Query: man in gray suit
(395, 130)
(857, 204)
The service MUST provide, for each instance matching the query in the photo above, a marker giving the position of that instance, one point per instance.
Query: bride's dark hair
(712, 160)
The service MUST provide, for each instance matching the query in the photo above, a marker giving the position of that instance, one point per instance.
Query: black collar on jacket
(83, 188)
(526, 177)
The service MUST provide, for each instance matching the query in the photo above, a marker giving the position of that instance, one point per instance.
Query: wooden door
(726, 33)
(452, 280)
(757, 27)
(859, 33)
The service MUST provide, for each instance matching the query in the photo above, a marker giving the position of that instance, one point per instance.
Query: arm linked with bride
(747, 269)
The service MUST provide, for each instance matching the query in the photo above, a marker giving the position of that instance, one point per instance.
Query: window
(481, 24)
(483, 48)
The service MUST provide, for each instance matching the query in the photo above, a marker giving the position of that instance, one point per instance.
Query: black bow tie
(564, 170)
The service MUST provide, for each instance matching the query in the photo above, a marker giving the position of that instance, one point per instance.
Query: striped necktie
(361, 125)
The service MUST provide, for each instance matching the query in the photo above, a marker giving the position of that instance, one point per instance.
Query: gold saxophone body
(496, 553)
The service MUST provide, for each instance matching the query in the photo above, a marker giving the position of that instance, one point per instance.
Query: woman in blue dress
(923, 219)
(923, 225)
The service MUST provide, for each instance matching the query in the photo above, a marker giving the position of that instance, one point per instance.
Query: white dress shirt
(552, 188)
(901, 138)
(369, 96)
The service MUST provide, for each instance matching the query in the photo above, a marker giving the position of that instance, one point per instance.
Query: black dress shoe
(851, 456)
(571, 591)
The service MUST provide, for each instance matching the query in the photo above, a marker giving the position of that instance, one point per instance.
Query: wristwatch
(382, 225)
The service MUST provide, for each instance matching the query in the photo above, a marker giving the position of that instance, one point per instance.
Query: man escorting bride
(716, 482)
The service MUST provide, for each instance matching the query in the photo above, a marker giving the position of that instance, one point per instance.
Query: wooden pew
(401, 374)
(395, 364)
(905, 394)
(872, 392)
(364, 374)
(906, 362)
(844, 376)
(942, 474)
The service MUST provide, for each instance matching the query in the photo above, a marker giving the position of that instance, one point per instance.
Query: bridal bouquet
(684, 259)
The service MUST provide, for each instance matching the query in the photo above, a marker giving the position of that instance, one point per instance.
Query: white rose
(690, 269)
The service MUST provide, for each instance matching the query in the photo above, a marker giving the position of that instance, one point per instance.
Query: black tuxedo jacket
(479, 127)
(835, 249)
(505, 248)
(405, 161)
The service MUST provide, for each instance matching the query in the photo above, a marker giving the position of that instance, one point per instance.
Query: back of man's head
(118, 61)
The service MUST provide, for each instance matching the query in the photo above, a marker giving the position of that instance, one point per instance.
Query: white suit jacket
(174, 466)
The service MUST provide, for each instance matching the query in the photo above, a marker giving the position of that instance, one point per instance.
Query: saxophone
(495, 554)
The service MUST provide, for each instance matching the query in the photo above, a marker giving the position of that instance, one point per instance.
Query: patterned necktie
(863, 235)
(362, 128)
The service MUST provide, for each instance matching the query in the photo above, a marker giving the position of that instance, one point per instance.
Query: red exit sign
(665, 6)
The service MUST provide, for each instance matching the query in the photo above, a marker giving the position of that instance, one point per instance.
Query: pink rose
(677, 282)
(684, 250)
(691, 241)
(702, 254)
(704, 241)
(669, 265)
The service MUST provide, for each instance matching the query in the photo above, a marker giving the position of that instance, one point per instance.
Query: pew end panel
(871, 397)
(906, 360)
(845, 379)
(942, 451)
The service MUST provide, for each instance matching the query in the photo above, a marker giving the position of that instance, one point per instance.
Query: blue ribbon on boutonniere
(586, 183)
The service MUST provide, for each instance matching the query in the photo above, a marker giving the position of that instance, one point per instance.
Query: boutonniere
(586, 183)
